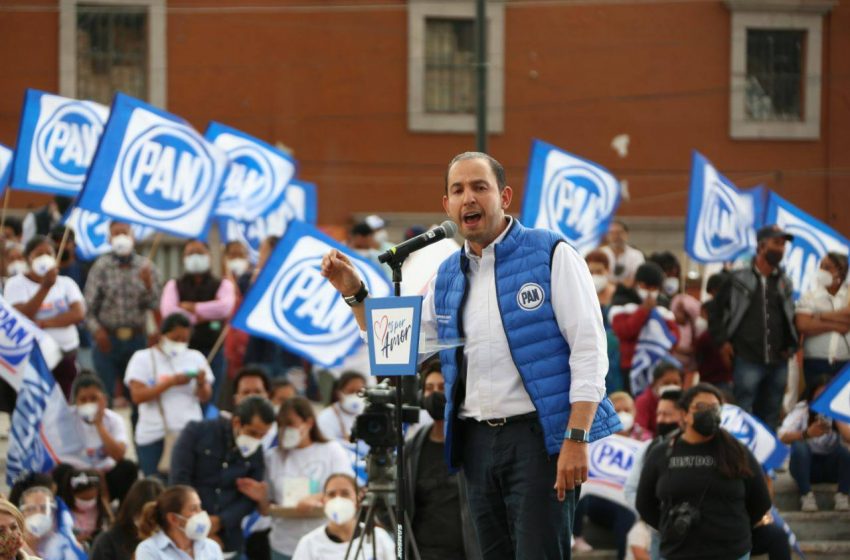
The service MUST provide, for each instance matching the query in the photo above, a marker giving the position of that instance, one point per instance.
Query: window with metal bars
(112, 51)
(775, 70)
(449, 65)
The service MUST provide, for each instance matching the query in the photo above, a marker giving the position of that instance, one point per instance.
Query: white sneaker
(582, 545)
(808, 502)
(842, 502)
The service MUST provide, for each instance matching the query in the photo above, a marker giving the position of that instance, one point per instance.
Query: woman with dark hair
(296, 472)
(121, 540)
(703, 490)
(175, 527)
(84, 491)
(817, 453)
(346, 404)
(54, 303)
(168, 382)
(823, 316)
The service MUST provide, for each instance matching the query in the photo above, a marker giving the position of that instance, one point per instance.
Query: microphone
(401, 251)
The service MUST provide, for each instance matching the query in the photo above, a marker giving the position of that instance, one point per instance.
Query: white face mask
(701, 325)
(823, 278)
(664, 388)
(196, 264)
(352, 404)
(237, 267)
(172, 348)
(85, 505)
(39, 524)
(381, 236)
(627, 419)
(43, 264)
(644, 293)
(291, 438)
(87, 411)
(247, 445)
(600, 282)
(671, 286)
(16, 267)
(122, 245)
(339, 510)
(198, 526)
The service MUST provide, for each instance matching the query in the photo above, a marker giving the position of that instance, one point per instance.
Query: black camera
(376, 425)
(681, 518)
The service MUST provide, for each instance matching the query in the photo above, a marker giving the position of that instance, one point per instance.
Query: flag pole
(62, 243)
(157, 241)
(218, 343)
(6, 196)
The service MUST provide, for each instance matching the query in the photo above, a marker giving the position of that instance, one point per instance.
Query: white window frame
(418, 11)
(777, 14)
(156, 77)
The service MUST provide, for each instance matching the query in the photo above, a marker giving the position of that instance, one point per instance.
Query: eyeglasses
(35, 508)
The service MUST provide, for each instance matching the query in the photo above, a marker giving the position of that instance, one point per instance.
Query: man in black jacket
(753, 324)
(216, 457)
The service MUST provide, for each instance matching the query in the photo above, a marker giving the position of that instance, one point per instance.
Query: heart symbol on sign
(381, 328)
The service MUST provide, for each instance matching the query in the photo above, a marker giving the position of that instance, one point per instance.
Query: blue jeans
(510, 478)
(608, 514)
(149, 456)
(759, 389)
(111, 366)
(807, 467)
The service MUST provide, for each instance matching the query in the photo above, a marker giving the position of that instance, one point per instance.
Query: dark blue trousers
(510, 481)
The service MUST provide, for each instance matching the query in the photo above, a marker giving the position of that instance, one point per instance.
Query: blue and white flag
(611, 460)
(570, 195)
(293, 305)
(5, 166)
(792, 538)
(154, 169)
(57, 141)
(257, 175)
(653, 346)
(760, 439)
(834, 402)
(722, 220)
(91, 233)
(813, 239)
(44, 432)
(18, 336)
(301, 197)
(62, 545)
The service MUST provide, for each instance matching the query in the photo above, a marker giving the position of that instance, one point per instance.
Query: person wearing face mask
(39, 508)
(597, 263)
(222, 459)
(332, 540)
(665, 376)
(41, 221)
(104, 436)
(236, 262)
(168, 382)
(53, 302)
(687, 310)
(623, 258)
(671, 285)
(207, 301)
(14, 261)
(122, 538)
(12, 528)
(753, 324)
(361, 239)
(436, 498)
(175, 527)
(83, 491)
(823, 318)
(121, 288)
(702, 489)
(296, 471)
(337, 419)
(631, 308)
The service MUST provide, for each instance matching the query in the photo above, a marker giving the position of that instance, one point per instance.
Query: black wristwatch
(577, 435)
(357, 298)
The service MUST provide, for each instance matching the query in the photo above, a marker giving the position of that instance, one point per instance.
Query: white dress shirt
(833, 345)
(494, 387)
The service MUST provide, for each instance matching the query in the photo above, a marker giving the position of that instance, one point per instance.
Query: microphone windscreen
(450, 228)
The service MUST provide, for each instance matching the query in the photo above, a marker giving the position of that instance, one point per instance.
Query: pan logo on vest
(530, 296)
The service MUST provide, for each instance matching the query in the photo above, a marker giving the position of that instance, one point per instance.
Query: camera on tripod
(376, 425)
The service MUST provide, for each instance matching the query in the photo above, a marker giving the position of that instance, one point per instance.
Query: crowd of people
(235, 460)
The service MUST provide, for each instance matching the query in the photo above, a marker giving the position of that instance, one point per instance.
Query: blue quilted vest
(539, 350)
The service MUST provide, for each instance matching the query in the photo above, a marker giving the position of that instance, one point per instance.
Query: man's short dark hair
(173, 321)
(714, 281)
(362, 229)
(666, 260)
(650, 274)
(85, 380)
(14, 223)
(620, 223)
(495, 167)
(253, 407)
(252, 371)
(673, 395)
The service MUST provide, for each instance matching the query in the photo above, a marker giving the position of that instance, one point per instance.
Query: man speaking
(529, 383)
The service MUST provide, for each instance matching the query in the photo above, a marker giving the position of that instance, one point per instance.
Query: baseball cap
(773, 231)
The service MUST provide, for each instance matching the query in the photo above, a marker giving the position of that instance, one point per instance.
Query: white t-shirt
(316, 545)
(335, 423)
(831, 345)
(628, 263)
(798, 420)
(313, 464)
(180, 402)
(93, 451)
(65, 292)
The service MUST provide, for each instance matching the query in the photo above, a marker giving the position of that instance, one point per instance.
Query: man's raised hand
(340, 273)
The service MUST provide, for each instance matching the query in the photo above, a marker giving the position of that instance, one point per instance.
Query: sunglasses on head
(84, 480)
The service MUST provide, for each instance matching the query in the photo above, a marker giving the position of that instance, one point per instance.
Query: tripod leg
(408, 527)
(365, 517)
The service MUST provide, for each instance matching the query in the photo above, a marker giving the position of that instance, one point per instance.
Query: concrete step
(787, 496)
(826, 550)
(819, 526)
(596, 554)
